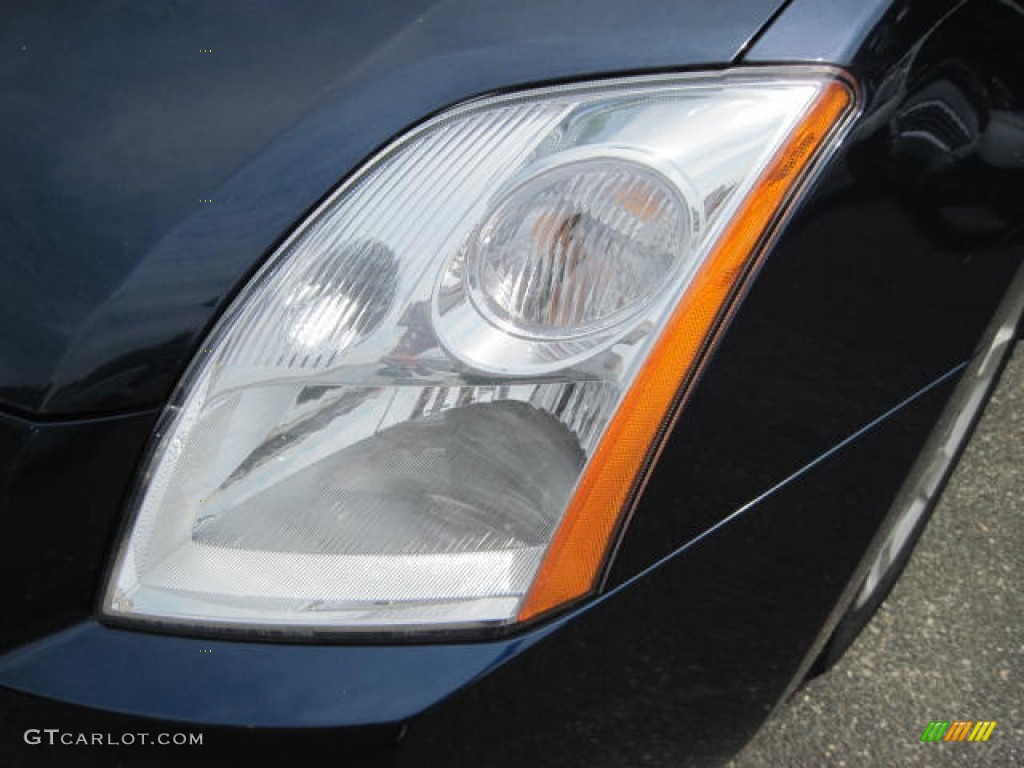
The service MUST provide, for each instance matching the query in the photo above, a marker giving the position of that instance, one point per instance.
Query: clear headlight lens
(578, 248)
(413, 416)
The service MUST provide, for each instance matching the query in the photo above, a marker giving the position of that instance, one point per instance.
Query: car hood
(153, 154)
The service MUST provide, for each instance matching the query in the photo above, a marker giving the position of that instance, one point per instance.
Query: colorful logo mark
(958, 730)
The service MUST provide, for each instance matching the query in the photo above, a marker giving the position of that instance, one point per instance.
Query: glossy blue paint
(829, 31)
(251, 684)
(113, 266)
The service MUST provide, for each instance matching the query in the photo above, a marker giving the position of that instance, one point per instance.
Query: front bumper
(679, 664)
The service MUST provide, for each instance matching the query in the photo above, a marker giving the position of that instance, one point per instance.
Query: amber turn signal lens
(572, 565)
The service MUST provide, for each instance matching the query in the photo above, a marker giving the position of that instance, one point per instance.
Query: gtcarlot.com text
(55, 737)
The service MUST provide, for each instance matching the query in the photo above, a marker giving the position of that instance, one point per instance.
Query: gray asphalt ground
(947, 644)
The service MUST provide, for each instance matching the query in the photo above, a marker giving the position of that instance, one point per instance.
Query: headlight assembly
(430, 406)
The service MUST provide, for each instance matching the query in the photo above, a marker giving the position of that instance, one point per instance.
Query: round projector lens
(578, 248)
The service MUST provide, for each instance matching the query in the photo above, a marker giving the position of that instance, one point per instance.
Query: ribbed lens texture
(577, 248)
(341, 276)
(403, 490)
